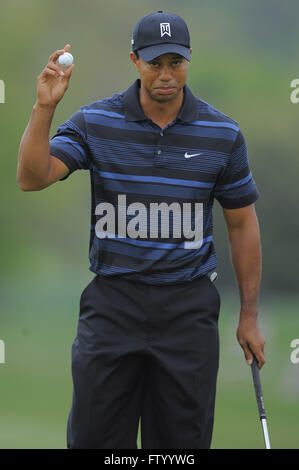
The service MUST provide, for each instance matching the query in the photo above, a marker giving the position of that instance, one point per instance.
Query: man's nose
(165, 73)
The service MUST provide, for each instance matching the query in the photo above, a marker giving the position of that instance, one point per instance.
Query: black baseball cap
(160, 33)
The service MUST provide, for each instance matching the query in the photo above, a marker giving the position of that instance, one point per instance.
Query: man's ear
(134, 60)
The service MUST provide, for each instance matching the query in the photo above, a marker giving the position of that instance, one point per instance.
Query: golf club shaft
(260, 400)
(266, 435)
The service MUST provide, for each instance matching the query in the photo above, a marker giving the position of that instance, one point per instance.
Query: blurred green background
(245, 55)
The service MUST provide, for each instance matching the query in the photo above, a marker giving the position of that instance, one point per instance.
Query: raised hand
(53, 81)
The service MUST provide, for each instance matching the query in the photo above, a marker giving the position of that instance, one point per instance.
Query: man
(147, 339)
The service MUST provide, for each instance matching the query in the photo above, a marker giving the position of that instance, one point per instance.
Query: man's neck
(161, 114)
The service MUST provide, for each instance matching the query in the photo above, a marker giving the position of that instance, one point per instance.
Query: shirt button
(159, 152)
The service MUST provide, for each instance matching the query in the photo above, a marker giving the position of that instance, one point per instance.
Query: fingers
(55, 68)
(68, 71)
(256, 347)
(247, 353)
(251, 340)
(257, 351)
(53, 57)
(55, 71)
(48, 71)
(260, 356)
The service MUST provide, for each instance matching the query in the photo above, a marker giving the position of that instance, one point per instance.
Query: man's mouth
(165, 90)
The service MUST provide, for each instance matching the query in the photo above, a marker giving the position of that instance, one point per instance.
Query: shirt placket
(158, 157)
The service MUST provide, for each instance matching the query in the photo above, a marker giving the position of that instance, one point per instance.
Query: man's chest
(179, 161)
(159, 167)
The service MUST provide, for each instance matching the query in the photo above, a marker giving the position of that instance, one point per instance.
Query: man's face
(163, 77)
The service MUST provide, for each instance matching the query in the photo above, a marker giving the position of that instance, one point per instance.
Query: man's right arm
(37, 169)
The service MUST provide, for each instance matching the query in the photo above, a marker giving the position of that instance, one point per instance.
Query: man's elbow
(26, 187)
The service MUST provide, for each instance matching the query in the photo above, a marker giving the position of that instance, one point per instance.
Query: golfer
(147, 340)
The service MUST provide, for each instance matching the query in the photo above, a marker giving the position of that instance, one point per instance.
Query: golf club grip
(258, 388)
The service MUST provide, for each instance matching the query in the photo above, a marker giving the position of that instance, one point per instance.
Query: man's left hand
(251, 338)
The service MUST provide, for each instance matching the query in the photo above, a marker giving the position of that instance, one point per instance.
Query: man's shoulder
(209, 113)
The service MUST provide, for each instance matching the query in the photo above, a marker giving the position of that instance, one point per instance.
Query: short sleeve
(69, 144)
(235, 186)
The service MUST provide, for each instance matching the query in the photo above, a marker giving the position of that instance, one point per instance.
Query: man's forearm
(246, 255)
(33, 158)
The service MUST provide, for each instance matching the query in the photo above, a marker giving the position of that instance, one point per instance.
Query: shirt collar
(134, 112)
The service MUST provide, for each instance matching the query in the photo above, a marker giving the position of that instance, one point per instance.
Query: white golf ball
(66, 59)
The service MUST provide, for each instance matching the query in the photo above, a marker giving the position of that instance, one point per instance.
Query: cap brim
(151, 52)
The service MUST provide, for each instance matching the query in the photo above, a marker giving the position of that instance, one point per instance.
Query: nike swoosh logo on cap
(192, 155)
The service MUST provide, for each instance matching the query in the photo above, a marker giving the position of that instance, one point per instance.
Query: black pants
(149, 352)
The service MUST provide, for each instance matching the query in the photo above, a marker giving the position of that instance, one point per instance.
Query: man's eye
(176, 62)
(154, 64)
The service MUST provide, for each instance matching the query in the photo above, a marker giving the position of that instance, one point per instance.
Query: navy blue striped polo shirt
(152, 189)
